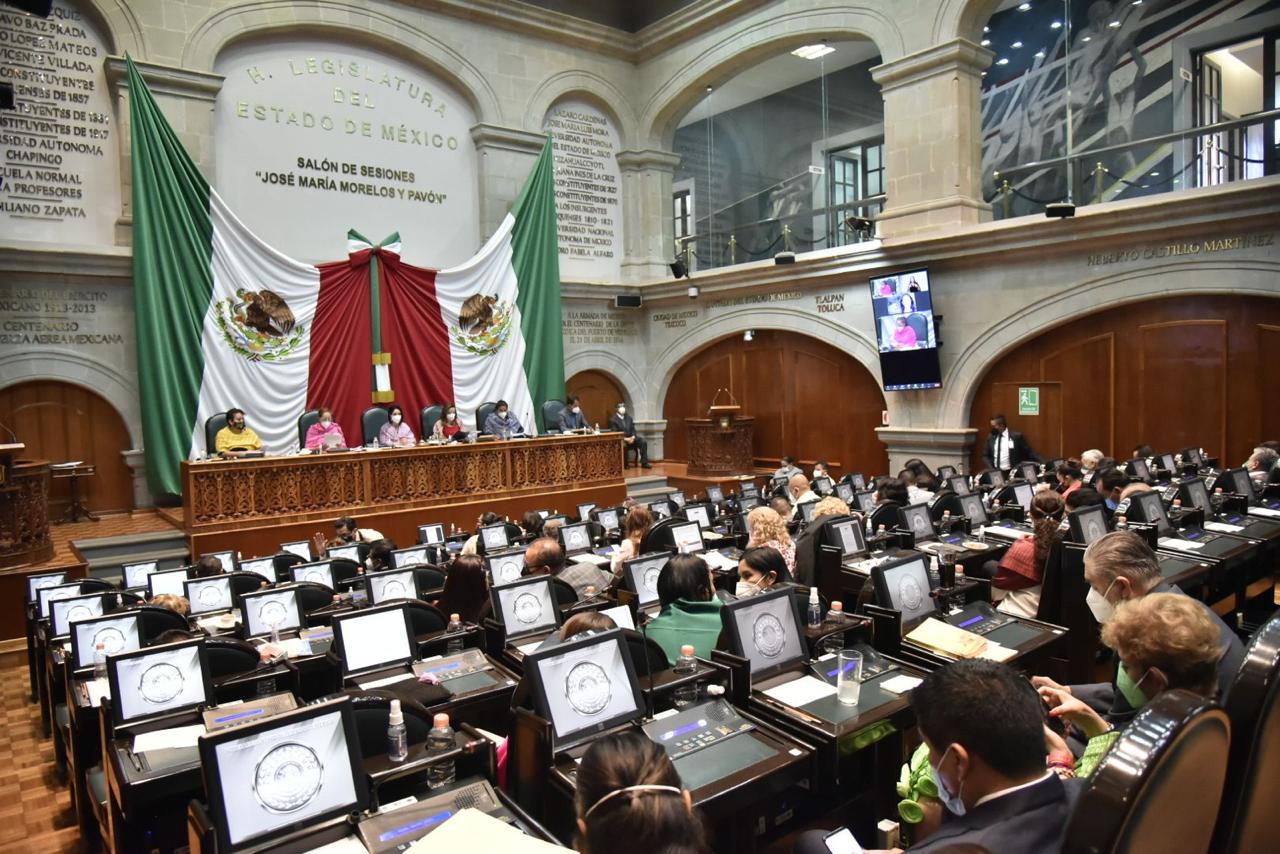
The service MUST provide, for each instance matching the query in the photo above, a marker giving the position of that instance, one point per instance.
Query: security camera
(1059, 210)
(693, 292)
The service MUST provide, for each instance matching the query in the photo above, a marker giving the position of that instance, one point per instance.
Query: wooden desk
(720, 451)
(253, 505)
(24, 512)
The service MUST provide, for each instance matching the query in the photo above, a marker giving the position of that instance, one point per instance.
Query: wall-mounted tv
(902, 305)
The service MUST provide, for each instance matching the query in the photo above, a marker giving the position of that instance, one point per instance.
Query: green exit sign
(1029, 400)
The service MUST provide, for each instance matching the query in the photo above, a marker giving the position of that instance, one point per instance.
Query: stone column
(937, 447)
(504, 157)
(137, 463)
(646, 214)
(933, 146)
(652, 432)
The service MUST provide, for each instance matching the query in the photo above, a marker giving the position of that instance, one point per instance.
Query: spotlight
(1059, 210)
(693, 292)
(749, 335)
(679, 270)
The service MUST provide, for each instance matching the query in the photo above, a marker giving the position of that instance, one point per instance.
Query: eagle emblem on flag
(484, 324)
(258, 325)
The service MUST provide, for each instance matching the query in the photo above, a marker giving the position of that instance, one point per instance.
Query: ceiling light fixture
(1024, 7)
(985, 42)
(1016, 45)
(813, 51)
(1056, 25)
(1002, 61)
(1087, 39)
(1040, 54)
(1115, 25)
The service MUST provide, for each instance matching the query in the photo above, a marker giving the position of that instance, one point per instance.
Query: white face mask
(452, 416)
(395, 419)
(502, 413)
(744, 589)
(622, 410)
(575, 410)
(326, 421)
(954, 803)
(1099, 604)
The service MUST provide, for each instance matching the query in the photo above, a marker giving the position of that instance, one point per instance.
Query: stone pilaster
(937, 446)
(137, 463)
(504, 156)
(646, 214)
(652, 431)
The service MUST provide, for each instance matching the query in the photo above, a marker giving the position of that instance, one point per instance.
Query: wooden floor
(108, 525)
(35, 808)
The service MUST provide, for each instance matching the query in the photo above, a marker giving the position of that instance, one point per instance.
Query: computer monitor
(350, 552)
(228, 558)
(750, 502)
(916, 519)
(543, 514)
(971, 506)
(849, 536)
(715, 494)
(903, 585)
(765, 629)
(63, 611)
(320, 572)
(844, 492)
(52, 592)
(1193, 456)
(584, 510)
(301, 548)
(677, 498)
(379, 637)
(700, 513)
(167, 581)
(411, 556)
(1023, 493)
(1087, 523)
(1138, 468)
(134, 575)
(209, 594)
(995, 477)
(822, 485)
(494, 537)
(526, 607)
(1149, 507)
(391, 584)
(585, 686)
(156, 680)
(687, 537)
(945, 472)
(1235, 481)
(505, 567)
(1168, 463)
(959, 484)
(857, 480)
(660, 509)
(39, 582)
(640, 575)
(806, 511)
(1029, 471)
(431, 535)
(575, 537)
(1195, 492)
(263, 610)
(268, 779)
(866, 500)
(264, 566)
(608, 519)
(116, 632)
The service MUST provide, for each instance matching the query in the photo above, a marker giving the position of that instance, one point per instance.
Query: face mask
(1102, 608)
(575, 410)
(395, 419)
(1130, 689)
(622, 410)
(451, 416)
(996, 431)
(502, 413)
(954, 803)
(744, 589)
(326, 421)
(239, 425)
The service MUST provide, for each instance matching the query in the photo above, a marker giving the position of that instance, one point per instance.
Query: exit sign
(1029, 400)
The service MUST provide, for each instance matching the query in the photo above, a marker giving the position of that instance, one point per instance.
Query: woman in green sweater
(1165, 641)
(690, 614)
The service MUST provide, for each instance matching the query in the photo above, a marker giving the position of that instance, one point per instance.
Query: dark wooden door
(600, 393)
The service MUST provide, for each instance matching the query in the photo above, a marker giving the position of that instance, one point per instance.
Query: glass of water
(848, 676)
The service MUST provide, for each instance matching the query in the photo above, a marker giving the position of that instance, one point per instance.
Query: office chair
(642, 648)
(343, 569)
(212, 425)
(428, 418)
(482, 414)
(305, 420)
(887, 513)
(313, 596)
(246, 582)
(1249, 820)
(426, 618)
(230, 656)
(1160, 785)
(564, 592)
(944, 501)
(1053, 586)
(659, 537)
(920, 326)
(154, 621)
(96, 585)
(429, 578)
(372, 712)
(551, 411)
(283, 562)
(372, 421)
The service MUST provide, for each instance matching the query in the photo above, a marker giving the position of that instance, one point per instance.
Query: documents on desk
(590, 557)
(715, 560)
(389, 680)
(1223, 527)
(1178, 545)
(97, 689)
(947, 639)
(900, 684)
(797, 692)
(473, 830)
(1265, 512)
(168, 739)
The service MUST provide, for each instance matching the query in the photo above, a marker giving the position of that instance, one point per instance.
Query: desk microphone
(643, 619)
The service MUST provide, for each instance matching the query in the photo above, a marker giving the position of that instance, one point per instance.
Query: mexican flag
(224, 320)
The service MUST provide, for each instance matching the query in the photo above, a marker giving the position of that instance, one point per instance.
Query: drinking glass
(848, 676)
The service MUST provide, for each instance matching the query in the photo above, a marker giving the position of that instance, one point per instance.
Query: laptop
(431, 535)
(411, 556)
(765, 630)
(822, 485)
(848, 535)
(715, 495)
(527, 610)
(608, 518)
(1030, 472)
(376, 644)
(866, 500)
(640, 575)
(133, 576)
(1138, 468)
(584, 511)
(917, 519)
(959, 484)
(210, 595)
(116, 632)
(319, 572)
(51, 593)
(661, 509)
(973, 509)
(700, 513)
(995, 477)
(349, 552)
(168, 581)
(505, 567)
(806, 511)
(159, 680)
(391, 584)
(844, 492)
(857, 481)
(677, 498)
(576, 538)
(904, 586)
(584, 687)
(36, 583)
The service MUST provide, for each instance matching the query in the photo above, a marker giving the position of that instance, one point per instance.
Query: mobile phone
(841, 841)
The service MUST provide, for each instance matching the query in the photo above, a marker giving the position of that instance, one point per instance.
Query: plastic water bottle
(275, 634)
(440, 740)
(454, 628)
(814, 615)
(100, 661)
(397, 736)
(597, 429)
(835, 642)
(685, 695)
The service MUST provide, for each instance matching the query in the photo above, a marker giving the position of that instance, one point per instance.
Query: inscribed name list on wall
(60, 174)
(598, 327)
(588, 187)
(315, 137)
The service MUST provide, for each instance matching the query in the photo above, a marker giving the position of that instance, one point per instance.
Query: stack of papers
(948, 640)
(168, 739)
(900, 684)
(1265, 512)
(715, 560)
(591, 558)
(1178, 545)
(97, 688)
(472, 830)
(797, 692)
(1222, 527)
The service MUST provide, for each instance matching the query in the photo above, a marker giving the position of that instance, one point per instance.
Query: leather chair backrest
(312, 596)
(641, 648)
(230, 656)
(1249, 820)
(920, 325)
(1160, 785)
(660, 538)
(482, 414)
(564, 592)
(428, 418)
(944, 501)
(887, 513)
(1052, 590)
(305, 420)
(429, 578)
(372, 712)
(212, 425)
(245, 582)
(95, 585)
(426, 618)
(154, 621)
(343, 569)
(551, 411)
(372, 421)
(282, 562)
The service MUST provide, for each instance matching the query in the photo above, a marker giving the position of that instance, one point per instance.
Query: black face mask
(996, 431)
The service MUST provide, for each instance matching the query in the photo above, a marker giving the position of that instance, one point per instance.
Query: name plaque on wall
(315, 137)
(588, 192)
(60, 172)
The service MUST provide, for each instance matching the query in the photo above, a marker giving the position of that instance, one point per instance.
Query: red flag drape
(413, 332)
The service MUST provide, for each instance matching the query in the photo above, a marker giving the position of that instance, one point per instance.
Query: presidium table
(253, 505)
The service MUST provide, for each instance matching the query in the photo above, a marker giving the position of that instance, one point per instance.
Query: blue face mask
(1131, 690)
(954, 803)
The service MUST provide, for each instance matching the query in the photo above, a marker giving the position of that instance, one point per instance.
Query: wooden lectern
(24, 508)
(721, 445)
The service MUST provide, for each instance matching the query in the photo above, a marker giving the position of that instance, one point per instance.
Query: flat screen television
(906, 334)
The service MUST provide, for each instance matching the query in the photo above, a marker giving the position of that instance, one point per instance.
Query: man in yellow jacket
(236, 438)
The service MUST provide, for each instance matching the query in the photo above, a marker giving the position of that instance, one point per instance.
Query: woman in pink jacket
(325, 433)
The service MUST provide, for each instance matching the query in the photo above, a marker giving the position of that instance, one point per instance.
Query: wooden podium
(24, 508)
(721, 446)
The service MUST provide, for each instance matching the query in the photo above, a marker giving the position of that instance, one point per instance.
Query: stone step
(105, 555)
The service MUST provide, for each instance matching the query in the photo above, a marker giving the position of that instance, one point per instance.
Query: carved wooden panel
(24, 515)
(715, 451)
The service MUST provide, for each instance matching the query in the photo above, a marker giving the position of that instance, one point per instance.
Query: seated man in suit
(788, 468)
(801, 493)
(571, 417)
(623, 423)
(1007, 448)
(996, 793)
(236, 438)
(545, 556)
(501, 422)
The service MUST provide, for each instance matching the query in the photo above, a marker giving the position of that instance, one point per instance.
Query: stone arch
(118, 24)
(1216, 276)
(333, 18)
(663, 368)
(592, 87)
(962, 19)
(737, 50)
(609, 362)
(112, 385)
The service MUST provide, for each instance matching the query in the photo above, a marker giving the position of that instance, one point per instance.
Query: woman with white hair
(1089, 461)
